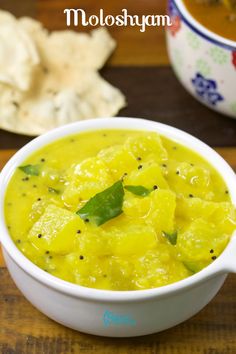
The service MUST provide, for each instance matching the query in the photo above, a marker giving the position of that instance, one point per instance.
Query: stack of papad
(50, 79)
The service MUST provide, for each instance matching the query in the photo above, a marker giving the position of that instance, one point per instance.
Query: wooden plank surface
(154, 93)
(27, 331)
(134, 48)
(19, 8)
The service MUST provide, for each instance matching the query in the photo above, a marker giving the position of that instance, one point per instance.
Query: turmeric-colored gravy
(119, 210)
(215, 16)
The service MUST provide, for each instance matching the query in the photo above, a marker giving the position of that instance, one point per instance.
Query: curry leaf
(138, 190)
(104, 206)
(172, 237)
(32, 170)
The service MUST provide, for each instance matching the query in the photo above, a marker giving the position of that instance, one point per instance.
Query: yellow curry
(119, 210)
(214, 15)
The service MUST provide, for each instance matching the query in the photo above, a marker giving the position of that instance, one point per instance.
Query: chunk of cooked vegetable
(56, 230)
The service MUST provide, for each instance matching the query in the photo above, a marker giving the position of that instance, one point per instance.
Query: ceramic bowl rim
(201, 30)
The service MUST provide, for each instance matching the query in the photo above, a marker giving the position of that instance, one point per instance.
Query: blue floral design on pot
(172, 9)
(206, 89)
(175, 18)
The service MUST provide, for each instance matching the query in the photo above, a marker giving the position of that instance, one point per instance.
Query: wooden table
(140, 68)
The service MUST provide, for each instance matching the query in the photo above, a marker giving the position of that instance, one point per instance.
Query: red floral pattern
(234, 59)
(176, 25)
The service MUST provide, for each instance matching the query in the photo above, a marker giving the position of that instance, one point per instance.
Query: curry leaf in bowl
(138, 190)
(171, 237)
(104, 206)
(32, 170)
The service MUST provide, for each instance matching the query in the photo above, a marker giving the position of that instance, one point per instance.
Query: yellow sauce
(214, 16)
(182, 224)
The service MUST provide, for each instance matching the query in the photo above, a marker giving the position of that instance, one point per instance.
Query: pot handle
(229, 260)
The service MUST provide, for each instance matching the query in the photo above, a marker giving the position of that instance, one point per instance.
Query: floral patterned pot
(204, 62)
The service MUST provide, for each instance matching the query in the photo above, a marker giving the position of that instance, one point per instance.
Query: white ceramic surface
(204, 62)
(116, 313)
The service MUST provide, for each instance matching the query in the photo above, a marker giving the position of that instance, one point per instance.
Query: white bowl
(204, 62)
(116, 313)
